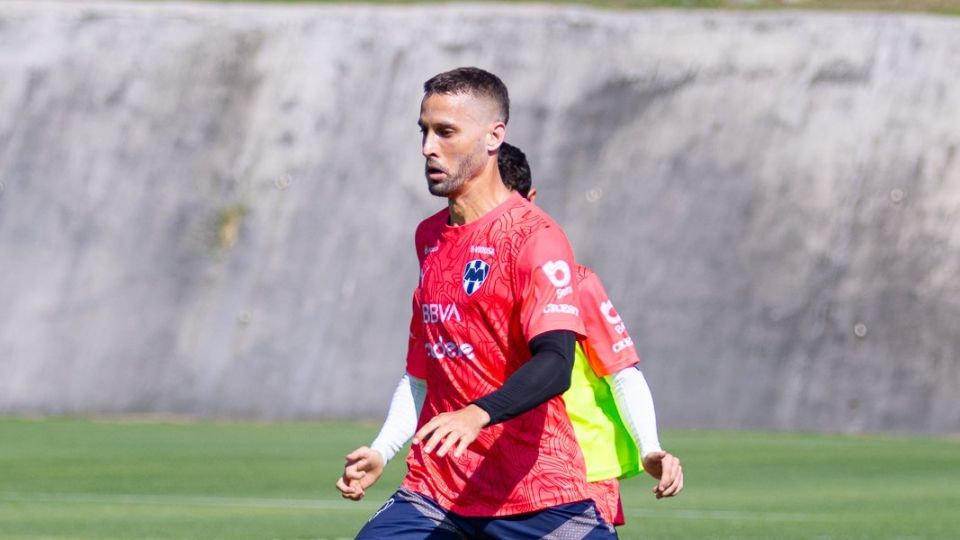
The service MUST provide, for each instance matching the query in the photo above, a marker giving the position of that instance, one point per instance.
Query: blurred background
(206, 251)
(208, 209)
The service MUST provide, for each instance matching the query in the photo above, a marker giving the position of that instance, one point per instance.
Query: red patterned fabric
(487, 288)
(606, 495)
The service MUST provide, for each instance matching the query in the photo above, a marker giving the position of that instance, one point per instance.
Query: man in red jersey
(609, 402)
(495, 322)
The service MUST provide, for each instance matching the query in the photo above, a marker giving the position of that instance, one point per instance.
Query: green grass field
(82, 479)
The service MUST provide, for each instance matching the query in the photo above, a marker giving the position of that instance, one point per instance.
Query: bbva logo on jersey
(474, 275)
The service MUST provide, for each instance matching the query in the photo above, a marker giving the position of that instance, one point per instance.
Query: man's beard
(466, 169)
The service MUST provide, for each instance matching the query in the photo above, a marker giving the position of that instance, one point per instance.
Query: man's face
(456, 130)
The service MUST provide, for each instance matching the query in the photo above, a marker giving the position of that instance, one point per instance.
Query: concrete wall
(208, 209)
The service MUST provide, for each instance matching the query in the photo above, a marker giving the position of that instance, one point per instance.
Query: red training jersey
(606, 495)
(608, 346)
(486, 288)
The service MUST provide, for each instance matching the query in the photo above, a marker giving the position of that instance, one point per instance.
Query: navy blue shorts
(411, 516)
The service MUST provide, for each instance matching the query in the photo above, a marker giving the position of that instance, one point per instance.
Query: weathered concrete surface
(209, 209)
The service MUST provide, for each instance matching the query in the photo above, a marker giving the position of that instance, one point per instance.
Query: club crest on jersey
(474, 275)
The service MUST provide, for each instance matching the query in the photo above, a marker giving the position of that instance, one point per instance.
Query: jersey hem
(610, 370)
(624, 471)
(504, 510)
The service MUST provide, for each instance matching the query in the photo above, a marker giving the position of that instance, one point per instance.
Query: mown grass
(83, 479)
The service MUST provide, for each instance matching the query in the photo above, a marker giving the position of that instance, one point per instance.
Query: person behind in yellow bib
(609, 401)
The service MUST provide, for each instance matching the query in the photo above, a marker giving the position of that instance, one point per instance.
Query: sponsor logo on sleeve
(430, 249)
(562, 308)
(474, 275)
(558, 272)
(612, 317)
(622, 344)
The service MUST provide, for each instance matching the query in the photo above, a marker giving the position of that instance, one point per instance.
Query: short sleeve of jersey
(609, 347)
(547, 285)
(416, 347)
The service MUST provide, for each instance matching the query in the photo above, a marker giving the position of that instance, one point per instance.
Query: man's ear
(495, 136)
(532, 195)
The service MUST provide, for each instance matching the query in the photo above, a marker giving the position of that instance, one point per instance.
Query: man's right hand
(364, 467)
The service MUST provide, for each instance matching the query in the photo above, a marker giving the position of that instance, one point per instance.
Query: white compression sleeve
(401, 421)
(635, 404)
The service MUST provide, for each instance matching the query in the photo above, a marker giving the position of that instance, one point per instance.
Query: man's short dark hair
(514, 169)
(474, 81)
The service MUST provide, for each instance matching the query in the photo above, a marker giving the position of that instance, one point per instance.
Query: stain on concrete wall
(209, 209)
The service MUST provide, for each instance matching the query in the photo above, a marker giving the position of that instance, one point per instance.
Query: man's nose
(429, 145)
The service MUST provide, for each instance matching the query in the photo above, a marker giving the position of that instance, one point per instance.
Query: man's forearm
(401, 421)
(545, 375)
(635, 404)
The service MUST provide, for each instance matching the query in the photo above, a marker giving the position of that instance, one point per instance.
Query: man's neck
(479, 196)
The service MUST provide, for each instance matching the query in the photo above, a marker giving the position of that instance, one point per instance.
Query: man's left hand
(666, 468)
(458, 428)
